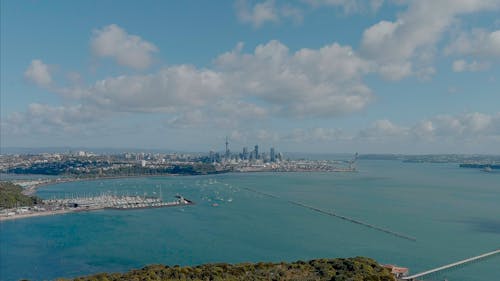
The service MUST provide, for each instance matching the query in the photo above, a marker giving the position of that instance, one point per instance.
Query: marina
(89, 203)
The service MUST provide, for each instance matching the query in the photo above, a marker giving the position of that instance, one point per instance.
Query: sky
(318, 76)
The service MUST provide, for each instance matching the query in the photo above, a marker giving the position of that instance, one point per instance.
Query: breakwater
(333, 214)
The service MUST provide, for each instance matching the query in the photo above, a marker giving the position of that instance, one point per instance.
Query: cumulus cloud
(38, 73)
(349, 6)
(257, 14)
(479, 43)
(324, 82)
(240, 88)
(465, 126)
(469, 125)
(128, 50)
(409, 42)
(383, 129)
(170, 90)
(463, 65)
(459, 128)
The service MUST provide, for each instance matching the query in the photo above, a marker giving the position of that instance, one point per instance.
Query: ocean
(454, 213)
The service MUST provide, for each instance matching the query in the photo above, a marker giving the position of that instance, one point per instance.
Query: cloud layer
(307, 83)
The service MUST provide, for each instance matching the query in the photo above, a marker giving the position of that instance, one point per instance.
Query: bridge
(416, 277)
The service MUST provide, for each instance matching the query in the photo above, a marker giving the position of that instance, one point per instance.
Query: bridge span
(449, 266)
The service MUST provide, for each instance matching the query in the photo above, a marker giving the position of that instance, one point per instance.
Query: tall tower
(227, 147)
(256, 150)
(272, 155)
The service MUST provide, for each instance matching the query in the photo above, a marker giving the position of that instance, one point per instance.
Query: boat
(488, 169)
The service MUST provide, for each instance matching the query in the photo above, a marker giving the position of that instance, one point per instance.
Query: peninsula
(358, 268)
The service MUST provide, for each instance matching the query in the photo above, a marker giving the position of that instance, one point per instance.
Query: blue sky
(387, 76)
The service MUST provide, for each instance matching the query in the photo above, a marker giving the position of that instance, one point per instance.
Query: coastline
(66, 210)
(38, 214)
(32, 189)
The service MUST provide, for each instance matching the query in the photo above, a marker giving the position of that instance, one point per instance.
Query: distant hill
(348, 269)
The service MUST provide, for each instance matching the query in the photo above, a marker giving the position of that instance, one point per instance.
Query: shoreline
(32, 189)
(79, 210)
(38, 214)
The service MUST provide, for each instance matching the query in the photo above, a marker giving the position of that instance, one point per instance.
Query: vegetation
(11, 196)
(349, 269)
(97, 169)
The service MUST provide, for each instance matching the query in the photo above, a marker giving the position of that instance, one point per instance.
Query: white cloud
(462, 65)
(349, 6)
(411, 39)
(383, 129)
(459, 127)
(324, 82)
(479, 42)
(464, 126)
(258, 14)
(38, 73)
(128, 50)
(241, 89)
(170, 90)
(271, 80)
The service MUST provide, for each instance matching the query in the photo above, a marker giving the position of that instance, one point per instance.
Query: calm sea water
(454, 214)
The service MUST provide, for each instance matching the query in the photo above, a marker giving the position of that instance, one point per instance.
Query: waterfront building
(272, 155)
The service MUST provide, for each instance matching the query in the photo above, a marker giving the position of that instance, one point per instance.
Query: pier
(346, 218)
(416, 277)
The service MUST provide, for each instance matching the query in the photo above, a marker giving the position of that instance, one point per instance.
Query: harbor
(91, 203)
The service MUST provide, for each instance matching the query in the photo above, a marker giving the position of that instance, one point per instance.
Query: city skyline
(300, 76)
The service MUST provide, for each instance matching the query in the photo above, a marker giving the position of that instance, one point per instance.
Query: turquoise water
(454, 214)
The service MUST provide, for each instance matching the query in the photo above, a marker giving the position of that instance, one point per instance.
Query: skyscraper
(272, 155)
(256, 151)
(245, 153)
